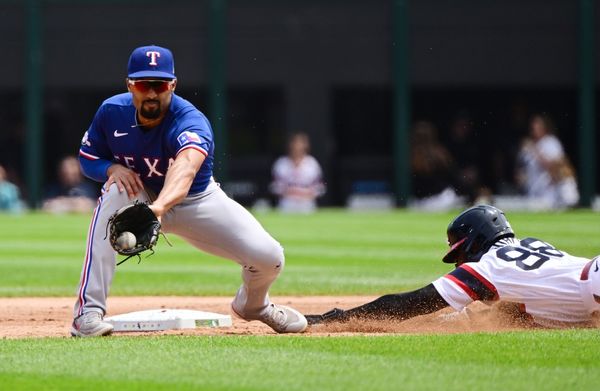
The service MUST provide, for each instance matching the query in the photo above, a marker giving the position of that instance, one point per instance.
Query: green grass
(514, 361)
(332, 252)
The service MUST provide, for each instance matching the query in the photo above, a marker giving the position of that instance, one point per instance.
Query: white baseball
(126, 240)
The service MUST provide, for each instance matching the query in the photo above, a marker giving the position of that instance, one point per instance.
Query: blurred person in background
(544, 172)
(501, 155)
(10, 198)
(433, 170)
(462, 143)
(72, 192)
(297, 177)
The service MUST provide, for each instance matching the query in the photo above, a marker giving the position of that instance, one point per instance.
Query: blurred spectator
(72, 192)
(10, 199)
(545, 172)
(501, 152)
(433, 170)
(297, 177)
(464, 148)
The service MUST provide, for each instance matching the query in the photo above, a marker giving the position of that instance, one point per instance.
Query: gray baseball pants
(211, 222)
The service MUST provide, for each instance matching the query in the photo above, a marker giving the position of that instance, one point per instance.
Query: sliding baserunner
(553, 287)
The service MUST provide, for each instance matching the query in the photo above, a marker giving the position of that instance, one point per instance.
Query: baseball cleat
(283, 319)
(90, 324)
(279, 317)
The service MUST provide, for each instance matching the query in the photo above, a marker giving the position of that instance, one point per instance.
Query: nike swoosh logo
(595, 270)
(117, 134)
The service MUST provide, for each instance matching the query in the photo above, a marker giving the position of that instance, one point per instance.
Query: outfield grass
(332, 252)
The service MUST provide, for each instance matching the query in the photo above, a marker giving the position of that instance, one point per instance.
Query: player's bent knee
(112, 189)
(121, 198)
(113, 193)
(268, 258)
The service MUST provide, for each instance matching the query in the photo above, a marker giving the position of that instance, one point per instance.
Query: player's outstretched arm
(399, 306)
(178, 180)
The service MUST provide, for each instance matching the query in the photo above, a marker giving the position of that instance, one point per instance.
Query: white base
(167, 319)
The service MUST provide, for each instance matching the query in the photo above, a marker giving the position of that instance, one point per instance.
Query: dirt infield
(51, 316)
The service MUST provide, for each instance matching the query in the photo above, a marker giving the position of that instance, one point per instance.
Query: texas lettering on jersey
(115, 136)
(152, 165)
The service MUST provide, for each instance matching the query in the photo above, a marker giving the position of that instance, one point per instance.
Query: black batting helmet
(474, 231)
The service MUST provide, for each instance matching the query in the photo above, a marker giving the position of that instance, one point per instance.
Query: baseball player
(150, 145)
(551, 286)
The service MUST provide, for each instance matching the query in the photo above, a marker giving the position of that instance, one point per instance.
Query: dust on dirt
(52, 316)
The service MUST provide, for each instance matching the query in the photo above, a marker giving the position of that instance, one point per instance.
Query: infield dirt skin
(52, 316)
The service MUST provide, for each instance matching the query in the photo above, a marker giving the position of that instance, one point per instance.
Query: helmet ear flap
(474, 249)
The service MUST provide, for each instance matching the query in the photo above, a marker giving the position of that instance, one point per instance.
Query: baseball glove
(139, 220)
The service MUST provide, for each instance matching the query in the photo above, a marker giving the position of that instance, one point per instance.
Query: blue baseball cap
(151, 61)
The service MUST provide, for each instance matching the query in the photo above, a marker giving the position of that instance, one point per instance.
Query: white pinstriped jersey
(548, 282)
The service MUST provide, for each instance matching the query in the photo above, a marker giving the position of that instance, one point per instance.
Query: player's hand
(334, 315)
(126, 180)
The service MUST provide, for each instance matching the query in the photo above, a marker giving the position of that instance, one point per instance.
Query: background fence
(352, 74)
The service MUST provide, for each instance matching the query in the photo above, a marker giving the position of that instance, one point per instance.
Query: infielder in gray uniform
(152, 146)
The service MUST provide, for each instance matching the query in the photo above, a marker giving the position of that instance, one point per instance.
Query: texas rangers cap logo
(153, 56)
(151, 61)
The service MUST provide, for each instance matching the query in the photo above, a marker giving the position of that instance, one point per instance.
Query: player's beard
(150, 112)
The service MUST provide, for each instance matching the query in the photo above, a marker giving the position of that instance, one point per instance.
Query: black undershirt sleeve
(399, 306)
